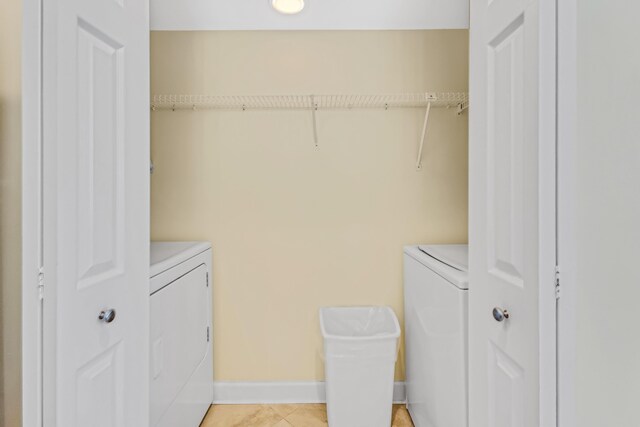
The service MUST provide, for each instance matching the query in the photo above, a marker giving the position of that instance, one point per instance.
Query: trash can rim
(377, 337)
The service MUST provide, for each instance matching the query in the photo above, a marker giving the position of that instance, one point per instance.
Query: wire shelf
(309, 102)
(314, 103)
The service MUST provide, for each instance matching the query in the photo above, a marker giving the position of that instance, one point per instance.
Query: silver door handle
(500, 314)
(107, 316)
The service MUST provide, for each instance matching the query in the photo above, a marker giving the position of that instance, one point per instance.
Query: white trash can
(360, 352)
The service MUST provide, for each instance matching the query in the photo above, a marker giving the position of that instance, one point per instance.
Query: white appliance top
(449, 261)
(456, 256)
(165, 255)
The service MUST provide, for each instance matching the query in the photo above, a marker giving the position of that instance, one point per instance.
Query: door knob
(500, 314)
(107, 316)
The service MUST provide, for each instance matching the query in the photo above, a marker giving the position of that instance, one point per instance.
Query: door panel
(100, 156)
(505, 240)
(100, 389)
(506, 390)
(96, 212)
(512, 211)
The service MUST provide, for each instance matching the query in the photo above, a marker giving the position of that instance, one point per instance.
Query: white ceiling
(317, 15)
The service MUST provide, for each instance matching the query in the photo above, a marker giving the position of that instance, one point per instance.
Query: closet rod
(314, 103)
(174, 102)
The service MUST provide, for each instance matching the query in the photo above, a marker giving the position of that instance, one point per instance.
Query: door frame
(567, 146)
(548, 223)
(32, 372)
(32, 250)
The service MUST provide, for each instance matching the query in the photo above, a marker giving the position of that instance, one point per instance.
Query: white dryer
(436, 334)
(181, 360)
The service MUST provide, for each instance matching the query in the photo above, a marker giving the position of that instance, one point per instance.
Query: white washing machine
(436, 334)
(181, 365)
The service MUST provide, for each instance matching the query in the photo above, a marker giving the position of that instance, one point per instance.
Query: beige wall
(294, 227)
(10, 240)
(607, 215)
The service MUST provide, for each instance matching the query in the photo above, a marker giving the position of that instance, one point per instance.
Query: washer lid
(165, 255)
(447, 261)
(456, 256)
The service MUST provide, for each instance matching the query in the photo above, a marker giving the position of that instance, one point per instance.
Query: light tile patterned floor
(307, 415)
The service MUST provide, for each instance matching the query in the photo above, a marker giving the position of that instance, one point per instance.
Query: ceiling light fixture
(288, 7)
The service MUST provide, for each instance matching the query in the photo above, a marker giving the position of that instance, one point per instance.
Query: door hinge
(41, 283)
(207, 334)
(557, 282)
(207, 279)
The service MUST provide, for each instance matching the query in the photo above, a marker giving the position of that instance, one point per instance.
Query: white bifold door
(96, 213)
(512, 213)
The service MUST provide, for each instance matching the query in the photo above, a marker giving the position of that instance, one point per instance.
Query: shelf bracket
(314, 109)
(462, 107)
(424, 134)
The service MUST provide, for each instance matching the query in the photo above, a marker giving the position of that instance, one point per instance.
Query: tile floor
(307, 415)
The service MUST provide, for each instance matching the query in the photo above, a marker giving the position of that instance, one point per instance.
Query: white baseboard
(280, 392)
